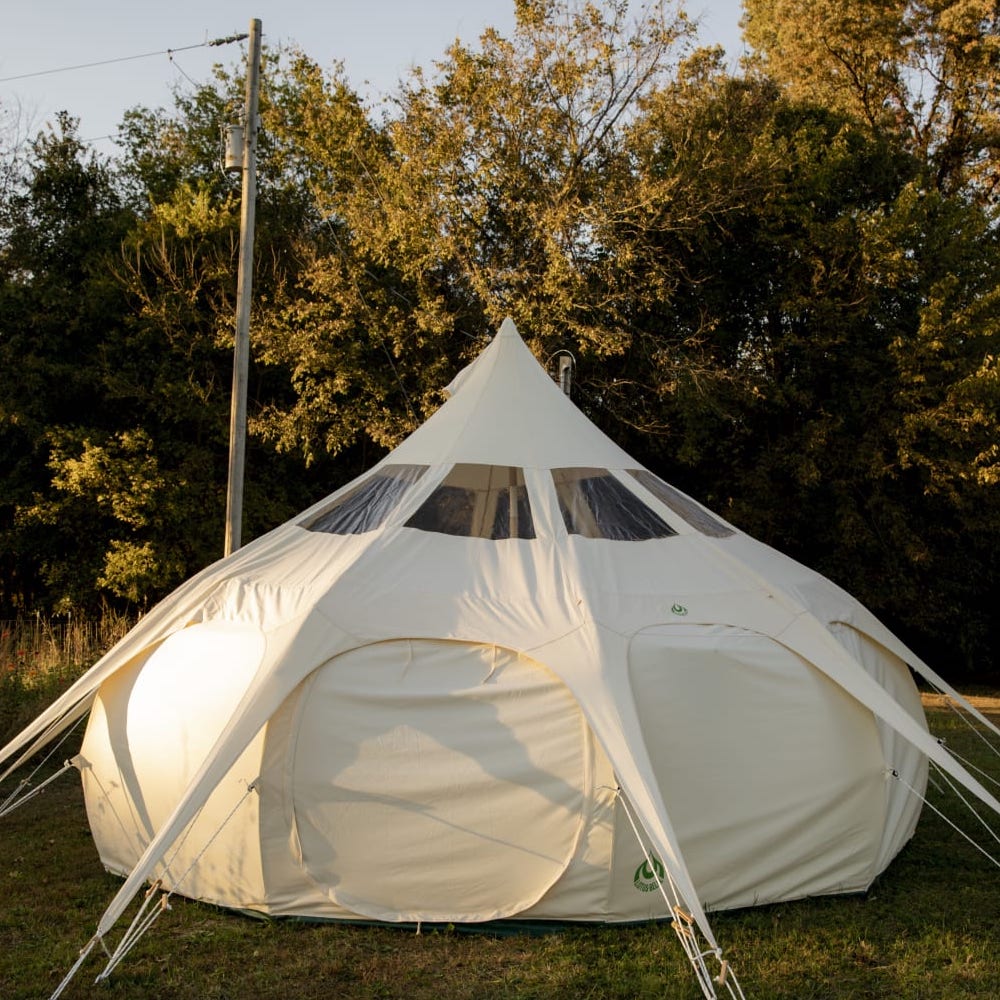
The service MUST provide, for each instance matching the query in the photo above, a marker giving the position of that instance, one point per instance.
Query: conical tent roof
(636, 660)
(505, 410)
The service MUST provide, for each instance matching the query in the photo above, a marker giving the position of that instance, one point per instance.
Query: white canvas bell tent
(506, 673)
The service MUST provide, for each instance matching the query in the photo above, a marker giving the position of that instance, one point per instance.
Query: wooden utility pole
(241, 353)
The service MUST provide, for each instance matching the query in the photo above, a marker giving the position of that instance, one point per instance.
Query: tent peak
(504, 409)
(508, 329)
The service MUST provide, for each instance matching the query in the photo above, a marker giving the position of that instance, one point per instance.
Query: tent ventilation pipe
(566, 370)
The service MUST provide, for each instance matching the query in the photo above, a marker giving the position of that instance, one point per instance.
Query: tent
(507, 673)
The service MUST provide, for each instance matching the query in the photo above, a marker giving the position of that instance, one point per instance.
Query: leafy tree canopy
(927, 68)
(780, 288)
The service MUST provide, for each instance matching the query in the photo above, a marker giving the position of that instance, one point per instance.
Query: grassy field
(928, 930)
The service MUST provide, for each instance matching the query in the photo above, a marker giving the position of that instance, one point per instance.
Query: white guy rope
(968, 805)
(685, 928)
(895, 774)
(140, 924)
(934, 783)
(84, 952)
(143, 920)
(968, 765)
(12, 801)
(953, 705)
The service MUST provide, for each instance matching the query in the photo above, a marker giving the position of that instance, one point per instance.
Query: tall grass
(40, 657)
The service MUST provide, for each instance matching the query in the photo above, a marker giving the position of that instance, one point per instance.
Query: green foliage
(824, 347)
(485, 196)
(780, 288)
(58, 306)
(119, 323)
(928, 70)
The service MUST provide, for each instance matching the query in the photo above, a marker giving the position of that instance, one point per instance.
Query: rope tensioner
(147, 914)
(686, 928)
(19, 796)
(16, 798)
(723, 972)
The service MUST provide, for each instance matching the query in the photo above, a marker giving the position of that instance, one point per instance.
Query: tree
(58, 305)
(927, 68)
(946, 262)
(158, 478)
(485, 196)
(120, 302)
(845, 405)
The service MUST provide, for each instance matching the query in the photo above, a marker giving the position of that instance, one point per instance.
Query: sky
(377, 40)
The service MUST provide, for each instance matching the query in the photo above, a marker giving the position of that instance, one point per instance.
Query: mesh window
(369, 504)
(695, 515)
(596, 505)
(478, 501)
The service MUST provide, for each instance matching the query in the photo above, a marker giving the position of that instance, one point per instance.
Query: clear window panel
(683, 506)
(478, 501)
(595, 504)
(369, 504)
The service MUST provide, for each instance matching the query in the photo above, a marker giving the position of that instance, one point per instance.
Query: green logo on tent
(679, 609)
(649, 875)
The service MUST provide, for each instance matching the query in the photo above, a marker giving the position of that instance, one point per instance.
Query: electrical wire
(121, 59)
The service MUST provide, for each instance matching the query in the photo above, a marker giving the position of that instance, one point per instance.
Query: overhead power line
(143, 55)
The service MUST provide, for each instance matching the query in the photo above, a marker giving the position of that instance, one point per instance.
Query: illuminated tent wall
(454, 684)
